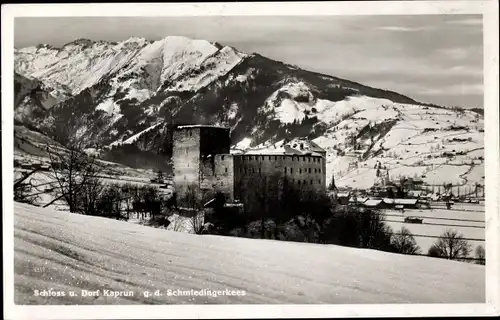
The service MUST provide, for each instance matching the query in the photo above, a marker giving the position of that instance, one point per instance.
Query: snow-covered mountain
(127, 94)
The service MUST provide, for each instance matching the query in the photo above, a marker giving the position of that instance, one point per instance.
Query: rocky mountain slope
(126, 95)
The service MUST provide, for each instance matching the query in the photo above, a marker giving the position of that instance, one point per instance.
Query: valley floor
(63, 251)
(466, 219)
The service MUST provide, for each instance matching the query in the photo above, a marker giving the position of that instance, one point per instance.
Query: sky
(430, 58)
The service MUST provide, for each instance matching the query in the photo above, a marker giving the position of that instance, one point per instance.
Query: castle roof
(200, 126)
(297, 146)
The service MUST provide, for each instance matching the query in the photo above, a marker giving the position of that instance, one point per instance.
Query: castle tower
(193, 147)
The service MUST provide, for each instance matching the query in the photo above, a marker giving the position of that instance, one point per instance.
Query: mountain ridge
(131, 92)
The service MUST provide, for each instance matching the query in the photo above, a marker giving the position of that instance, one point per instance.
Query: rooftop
(297, 146)
(200, 126)
(372, 202)
(400, 201)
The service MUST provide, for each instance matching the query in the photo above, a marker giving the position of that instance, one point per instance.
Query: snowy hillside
(126, 95)
(104, 254)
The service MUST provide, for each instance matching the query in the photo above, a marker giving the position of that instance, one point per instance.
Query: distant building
(405, 203)
(204, 166)
(343, 198)
(374, 204)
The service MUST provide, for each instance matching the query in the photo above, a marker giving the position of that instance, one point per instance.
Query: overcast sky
(431, 58)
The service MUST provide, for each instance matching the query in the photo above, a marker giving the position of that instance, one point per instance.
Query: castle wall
(198, 169)
(202, 166)
(217, 175)
(259, 177)
(186, 160)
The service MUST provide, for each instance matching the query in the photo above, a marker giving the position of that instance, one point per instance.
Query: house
(374, 204)
(353, 200)
(343, 198)
(401, 203)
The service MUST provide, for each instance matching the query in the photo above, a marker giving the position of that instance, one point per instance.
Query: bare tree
(450, 245)
(176, 222)
(480, 255)
(128, 192)
(190, 198)
(72, 169)
(404, 242)
(23, 189)
(89, 198)
(192, 201)
(110, 202)
(197, 222)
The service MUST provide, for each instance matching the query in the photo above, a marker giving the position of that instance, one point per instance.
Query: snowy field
(467, 219)
(66, 251)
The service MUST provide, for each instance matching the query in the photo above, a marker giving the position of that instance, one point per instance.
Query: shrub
(480, 255)
(357, 227)
(254, 229)
(300, 229)
(404, 242)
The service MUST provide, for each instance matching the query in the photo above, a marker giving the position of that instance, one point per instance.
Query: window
(300, 170)
(275, 158)
(305, 182)
(226, 170)
(298, 181)
(190, 133)
(262, 158)
(250, 158)
(285, 169)
(309, 159)
(269, 157)
(291, 170)
(222, 158)
(311, 182)
(309, 170)
(241, 170)
(319, 181)
(260, 170)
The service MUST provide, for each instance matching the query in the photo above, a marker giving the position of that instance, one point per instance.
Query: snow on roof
(343, 194)
(372, 202)
(200, 126)
(400, 201)
(209, 203)
(296, 146)
(358, 199)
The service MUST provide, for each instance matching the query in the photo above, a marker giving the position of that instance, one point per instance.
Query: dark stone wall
(262, 178)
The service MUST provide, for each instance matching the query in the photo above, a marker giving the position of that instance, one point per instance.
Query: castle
(203, 165)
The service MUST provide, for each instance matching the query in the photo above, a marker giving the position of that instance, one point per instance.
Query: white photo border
(488, 9)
